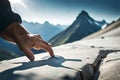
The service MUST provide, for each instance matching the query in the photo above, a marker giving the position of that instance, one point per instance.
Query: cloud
(15, 3)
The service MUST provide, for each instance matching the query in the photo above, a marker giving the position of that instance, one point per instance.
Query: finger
(48, 49)
(44, 45)
(35, 35)
(28, 53)
(38, 36)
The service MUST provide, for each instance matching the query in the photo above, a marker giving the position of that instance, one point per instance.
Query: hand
(29, 41)
(16, 33)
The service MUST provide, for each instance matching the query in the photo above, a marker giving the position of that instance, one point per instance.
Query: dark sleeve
(7, 16)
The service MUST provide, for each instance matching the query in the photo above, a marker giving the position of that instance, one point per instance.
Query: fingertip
(51, 53)
(29, 54)
(46, 46)
(32, 58)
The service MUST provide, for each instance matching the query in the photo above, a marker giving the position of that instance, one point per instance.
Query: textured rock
(107, 42)
(110, 68)
(73, 62)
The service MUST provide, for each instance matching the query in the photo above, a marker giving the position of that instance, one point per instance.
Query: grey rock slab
(70, 63)
(106, 42)
(112, 57)
(110, 68)
(113, 33)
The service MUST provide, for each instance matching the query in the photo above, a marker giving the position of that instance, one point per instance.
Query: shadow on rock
(51, 61)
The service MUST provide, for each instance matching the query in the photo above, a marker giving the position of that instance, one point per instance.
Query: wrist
(14, 31)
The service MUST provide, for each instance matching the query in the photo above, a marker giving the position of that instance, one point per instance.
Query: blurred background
(61, 21)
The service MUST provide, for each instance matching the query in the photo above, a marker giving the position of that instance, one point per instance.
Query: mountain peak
(104, 21)
(46, 23)
(83, 26)
(83, 14)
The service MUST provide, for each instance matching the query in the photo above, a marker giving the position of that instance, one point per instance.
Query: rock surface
(110, 68)
(74, 61)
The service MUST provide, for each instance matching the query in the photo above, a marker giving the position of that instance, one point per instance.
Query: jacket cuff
(9, 18)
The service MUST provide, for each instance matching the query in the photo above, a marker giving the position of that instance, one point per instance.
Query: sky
(64, 12)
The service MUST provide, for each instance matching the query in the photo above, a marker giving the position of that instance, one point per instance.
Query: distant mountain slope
(10, 47)
(110, 27)
(81, 27)
(13, 48)
(6, 54)
(46, 30)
